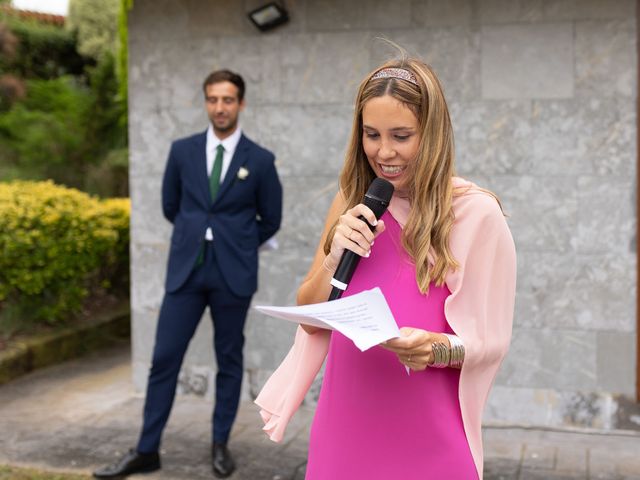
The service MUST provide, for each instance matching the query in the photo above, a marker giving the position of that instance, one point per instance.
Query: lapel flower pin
(243, 173)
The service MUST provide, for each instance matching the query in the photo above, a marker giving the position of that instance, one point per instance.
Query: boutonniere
(243, 173)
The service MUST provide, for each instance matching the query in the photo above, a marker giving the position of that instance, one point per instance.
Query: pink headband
(400, 73)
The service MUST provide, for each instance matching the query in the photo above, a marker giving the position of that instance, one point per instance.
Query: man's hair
(224, 76)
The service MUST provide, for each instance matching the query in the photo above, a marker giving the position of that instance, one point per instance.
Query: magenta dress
(373, 421)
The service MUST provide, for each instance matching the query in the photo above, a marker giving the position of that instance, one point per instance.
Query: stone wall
(543, 100)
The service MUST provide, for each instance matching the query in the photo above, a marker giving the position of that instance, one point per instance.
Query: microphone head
(380, 189)
(378, 196)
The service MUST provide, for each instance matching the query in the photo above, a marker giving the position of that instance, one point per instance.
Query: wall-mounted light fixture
(269, 16)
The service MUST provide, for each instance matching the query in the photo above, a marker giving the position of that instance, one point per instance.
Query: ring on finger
(409, 359)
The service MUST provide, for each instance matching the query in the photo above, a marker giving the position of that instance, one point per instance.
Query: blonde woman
(444, 259)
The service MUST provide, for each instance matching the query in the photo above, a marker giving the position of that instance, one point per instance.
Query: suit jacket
(245, 213)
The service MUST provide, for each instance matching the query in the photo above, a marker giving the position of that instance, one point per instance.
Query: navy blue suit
(245, 213)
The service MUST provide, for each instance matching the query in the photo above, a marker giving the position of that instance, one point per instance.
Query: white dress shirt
(230, 143)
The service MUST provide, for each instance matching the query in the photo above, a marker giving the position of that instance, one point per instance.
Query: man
(222, 193)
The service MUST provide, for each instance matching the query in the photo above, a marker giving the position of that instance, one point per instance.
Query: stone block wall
(543, 99)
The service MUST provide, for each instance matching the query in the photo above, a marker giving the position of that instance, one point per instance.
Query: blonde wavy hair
(426, 234)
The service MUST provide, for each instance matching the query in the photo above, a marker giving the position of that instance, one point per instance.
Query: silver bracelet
(457, 351)
(441, 355)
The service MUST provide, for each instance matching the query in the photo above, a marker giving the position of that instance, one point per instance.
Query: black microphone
(377, 199)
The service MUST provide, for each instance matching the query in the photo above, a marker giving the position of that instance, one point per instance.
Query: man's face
(223, 107)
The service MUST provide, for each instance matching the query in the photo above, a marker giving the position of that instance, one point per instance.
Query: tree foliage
(11, 87)
(69, 132)
(43, 135)
(42, 51)
(96, 24)
(123, 48)
(63, 116)
(8, 42)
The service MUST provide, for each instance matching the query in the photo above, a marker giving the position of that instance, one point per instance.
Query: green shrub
(68, 132)
(43, 51)
(44, 135)
(56, 244)
(63, 116)
(111, 176)
(107, 119)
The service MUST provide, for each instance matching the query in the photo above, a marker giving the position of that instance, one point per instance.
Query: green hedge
(56, 245)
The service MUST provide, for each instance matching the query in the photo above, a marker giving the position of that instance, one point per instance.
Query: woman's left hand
(413, 347)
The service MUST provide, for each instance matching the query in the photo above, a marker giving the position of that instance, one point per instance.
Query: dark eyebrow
(224, 97)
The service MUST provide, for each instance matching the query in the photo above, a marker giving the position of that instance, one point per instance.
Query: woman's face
(390, 139)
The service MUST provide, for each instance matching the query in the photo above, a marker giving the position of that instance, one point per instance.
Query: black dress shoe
(222, 462)
(132, 462)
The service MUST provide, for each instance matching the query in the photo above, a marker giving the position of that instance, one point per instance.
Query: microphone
(377, 199)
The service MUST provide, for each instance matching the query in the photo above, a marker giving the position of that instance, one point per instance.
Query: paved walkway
(79, 415)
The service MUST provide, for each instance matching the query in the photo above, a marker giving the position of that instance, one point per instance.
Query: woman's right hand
(352, 233)
(349, 233)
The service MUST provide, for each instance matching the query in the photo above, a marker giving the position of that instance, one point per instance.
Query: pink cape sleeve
(480, 307)
(284, 391)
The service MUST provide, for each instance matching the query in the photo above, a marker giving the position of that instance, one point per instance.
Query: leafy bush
(44, 134)
(68, 132)
(107, 120)
(111, 176)
(107, 133)
(56, 245)
(63, 116)
(43, 51)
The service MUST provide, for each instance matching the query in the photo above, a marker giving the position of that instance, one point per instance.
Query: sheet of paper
(365, 318)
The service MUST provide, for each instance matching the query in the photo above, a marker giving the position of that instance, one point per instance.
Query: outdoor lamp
(269, 16)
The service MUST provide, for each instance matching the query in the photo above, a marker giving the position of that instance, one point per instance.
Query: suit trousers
(179, 316)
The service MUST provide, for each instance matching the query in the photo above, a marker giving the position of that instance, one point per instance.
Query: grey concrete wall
(542, 95)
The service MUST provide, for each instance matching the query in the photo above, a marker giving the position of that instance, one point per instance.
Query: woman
(445, 261)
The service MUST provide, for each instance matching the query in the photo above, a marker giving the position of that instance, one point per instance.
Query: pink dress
(373, 421)
(479, 309)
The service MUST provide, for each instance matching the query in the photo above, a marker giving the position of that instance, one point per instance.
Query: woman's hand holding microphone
(353, 233)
